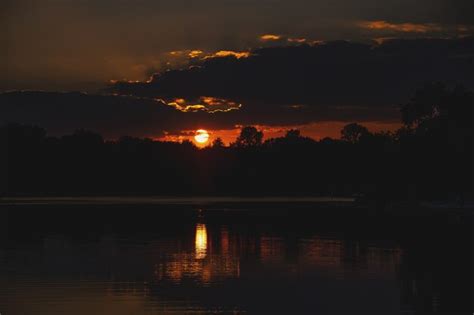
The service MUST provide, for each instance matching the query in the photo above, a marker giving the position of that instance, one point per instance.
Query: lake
(231, 257)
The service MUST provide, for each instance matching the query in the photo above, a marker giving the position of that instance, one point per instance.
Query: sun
(202, 136)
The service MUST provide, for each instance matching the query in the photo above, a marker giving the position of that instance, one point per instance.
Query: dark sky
(79, 44)
(82, 45)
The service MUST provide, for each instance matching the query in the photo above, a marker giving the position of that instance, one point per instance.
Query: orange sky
(316, 131)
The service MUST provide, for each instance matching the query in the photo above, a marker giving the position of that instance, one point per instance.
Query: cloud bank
(276, 86)
(331, 74)
(79, 44)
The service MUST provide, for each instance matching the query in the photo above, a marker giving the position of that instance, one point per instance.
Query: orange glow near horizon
(400, 27)
(316, 131)
(202, 136)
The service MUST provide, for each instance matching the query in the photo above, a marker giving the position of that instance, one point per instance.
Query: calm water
(253, 259)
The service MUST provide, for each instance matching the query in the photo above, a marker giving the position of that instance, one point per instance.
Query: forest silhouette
(430, 157)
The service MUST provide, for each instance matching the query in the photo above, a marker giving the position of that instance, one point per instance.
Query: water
(238, 259)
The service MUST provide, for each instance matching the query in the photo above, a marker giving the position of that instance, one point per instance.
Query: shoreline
(328, 201)
(164, 200)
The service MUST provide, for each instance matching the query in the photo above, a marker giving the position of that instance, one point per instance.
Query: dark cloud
(115, 116)
(277, 86)
(329, 74)
(79, 44)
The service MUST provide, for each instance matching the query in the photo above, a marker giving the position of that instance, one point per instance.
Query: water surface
(252, 259)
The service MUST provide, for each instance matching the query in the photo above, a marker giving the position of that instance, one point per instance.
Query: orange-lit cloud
(214, 101)
(195, 53)
(204, 103)
(186, 53)
(400, 27)
(187, 108)
(274, 37)
(176, 53)
(269, 37)
(297, 40)
(229, 53)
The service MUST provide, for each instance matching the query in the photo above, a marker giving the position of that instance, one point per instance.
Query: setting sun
(202, 136)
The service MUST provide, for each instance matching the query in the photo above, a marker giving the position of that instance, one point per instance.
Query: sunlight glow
(229, 53)
(205, 103)
(201, 241)
(401, 27)
(267, 37)
(202, 136)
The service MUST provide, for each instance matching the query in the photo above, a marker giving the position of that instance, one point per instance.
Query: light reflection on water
(201, 241)
(210, 267)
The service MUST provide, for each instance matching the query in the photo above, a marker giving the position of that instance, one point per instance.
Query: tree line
(429, 157)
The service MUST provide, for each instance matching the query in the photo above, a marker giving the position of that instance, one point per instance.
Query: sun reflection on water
(201, 241)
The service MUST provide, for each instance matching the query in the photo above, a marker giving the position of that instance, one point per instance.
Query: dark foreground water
(238, 258)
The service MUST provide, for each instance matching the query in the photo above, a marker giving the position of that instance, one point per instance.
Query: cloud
(65, 112)
(206, 104)
(400, 27)
(120, 39)
(417, 28)
(276, 86)
(186, 53)
(188, 57)
(336, 73)
(297, 40)
(272, 40)
(111, 115)
(115, 116)
(270, 37)
(229, 53)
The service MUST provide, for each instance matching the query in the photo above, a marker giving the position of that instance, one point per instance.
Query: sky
(99, 46)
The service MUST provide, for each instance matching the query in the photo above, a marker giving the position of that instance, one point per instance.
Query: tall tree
(249, 137)
(352, 133)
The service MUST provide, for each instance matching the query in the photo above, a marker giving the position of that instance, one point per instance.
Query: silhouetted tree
(249, 137)
(25, 134)
(218, 143)
(352, 133)
(187, 143)
(437, 106)
(293, 133)
(430, 157)
(425, 105)
(441, 142)
(82, 137)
